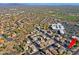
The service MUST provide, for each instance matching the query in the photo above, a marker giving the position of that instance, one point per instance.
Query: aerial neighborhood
(29, 30)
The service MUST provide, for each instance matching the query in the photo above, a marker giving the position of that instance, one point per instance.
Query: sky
(31, 4)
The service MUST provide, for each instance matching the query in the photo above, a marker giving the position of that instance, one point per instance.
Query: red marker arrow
(72, 43)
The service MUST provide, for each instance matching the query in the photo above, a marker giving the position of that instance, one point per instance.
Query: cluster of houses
(45, 41)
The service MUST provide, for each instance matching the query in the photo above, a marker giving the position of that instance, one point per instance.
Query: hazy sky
(50, 4)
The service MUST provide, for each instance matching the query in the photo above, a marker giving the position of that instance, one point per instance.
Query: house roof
(58, 26)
